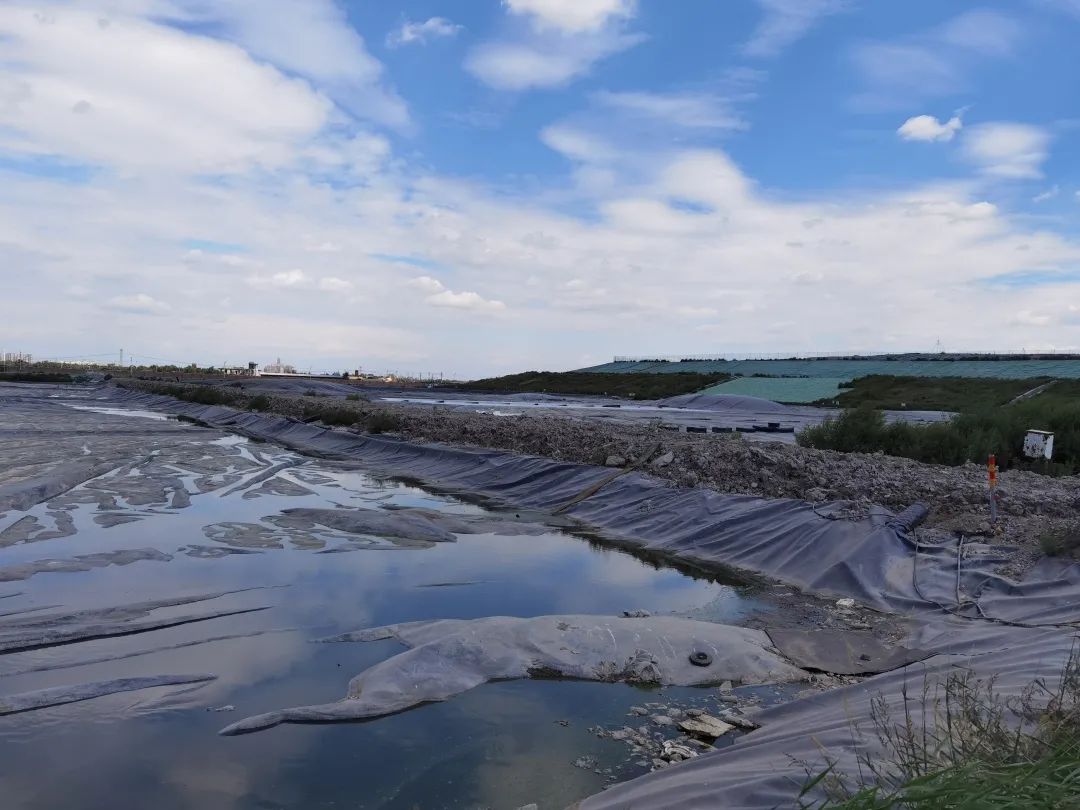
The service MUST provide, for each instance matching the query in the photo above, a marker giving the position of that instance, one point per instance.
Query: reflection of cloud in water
(160, 748)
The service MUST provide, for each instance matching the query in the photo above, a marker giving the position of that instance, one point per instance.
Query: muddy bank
(1031, 504)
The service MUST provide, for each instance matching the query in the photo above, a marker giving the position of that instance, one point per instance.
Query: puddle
(211, 516)
(141, 414)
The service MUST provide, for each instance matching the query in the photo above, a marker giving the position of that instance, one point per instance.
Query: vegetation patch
(33, 377)
(1061, 542)
(383, 422)
(930, 393)
(970, 436)
(631, 386)
(339, 416)
(962, 745)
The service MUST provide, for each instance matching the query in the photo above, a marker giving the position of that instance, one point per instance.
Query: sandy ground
(1030, 505)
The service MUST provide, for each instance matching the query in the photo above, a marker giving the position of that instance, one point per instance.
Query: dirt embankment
(1031, 505)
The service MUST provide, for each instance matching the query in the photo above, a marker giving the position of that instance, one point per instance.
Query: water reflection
(496, 746)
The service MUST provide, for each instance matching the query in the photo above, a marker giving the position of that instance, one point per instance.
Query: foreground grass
(632, 386)
(966, 437)
(961, 745)
(931, 393)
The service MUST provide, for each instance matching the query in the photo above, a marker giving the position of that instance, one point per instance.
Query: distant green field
(633, 386)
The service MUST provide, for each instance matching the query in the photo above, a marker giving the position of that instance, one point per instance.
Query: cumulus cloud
(786, 21)
(426, 284)
(439, 296)
(421, 32)
(331, 52)
(146, 96)
(929, 128)
(567, 38)
(334, 284)
(678, 241)
(138, 304)
(283, 280)
(1007, 150)
(573, 16)
(465, 300)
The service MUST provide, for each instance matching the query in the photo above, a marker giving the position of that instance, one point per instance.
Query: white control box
(1039, 444)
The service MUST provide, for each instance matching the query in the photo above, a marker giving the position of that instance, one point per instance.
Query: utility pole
(121, 358)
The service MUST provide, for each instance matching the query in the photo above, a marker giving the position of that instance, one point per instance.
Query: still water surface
(498, 746)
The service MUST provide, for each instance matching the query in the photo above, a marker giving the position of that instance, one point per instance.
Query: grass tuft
(961, 745)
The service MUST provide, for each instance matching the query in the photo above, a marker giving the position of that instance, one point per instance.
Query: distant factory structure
(277, 367)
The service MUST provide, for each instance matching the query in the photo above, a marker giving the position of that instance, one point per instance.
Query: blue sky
(475, 186)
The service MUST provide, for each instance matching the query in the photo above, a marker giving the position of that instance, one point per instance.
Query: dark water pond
(210, 508)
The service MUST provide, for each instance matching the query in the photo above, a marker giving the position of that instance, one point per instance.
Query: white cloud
(528, 65)
(1008, 150)
(573, 16)
(329, 51)
(421, 32)
(438, 296)
(932, 63)
(138, 304)
(786, 21)
(283, 280)
(150, 97)
(929, 128)
(465, 300)
(1049, 194)
(567, 38)
(690, 110)
(576, 144)
(426, 284)
(667, 234)
(334, 284)
(982, 31)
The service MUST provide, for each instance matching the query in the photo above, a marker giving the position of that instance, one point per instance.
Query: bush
(1060, 543)
(383, 422)
(355, 398)
(635, 385)
(259, 402)
(966, 437)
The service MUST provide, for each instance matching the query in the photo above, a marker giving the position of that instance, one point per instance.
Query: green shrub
(383, 422)
(639, 385)
(1060, 542)
(965, 437)
(259, 402)
(33, 377)
(340, 416)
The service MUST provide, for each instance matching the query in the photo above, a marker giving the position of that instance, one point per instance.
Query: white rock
(705, 726)
(663, 460)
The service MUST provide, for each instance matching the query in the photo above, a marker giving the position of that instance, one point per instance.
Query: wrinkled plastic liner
(450, 656)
